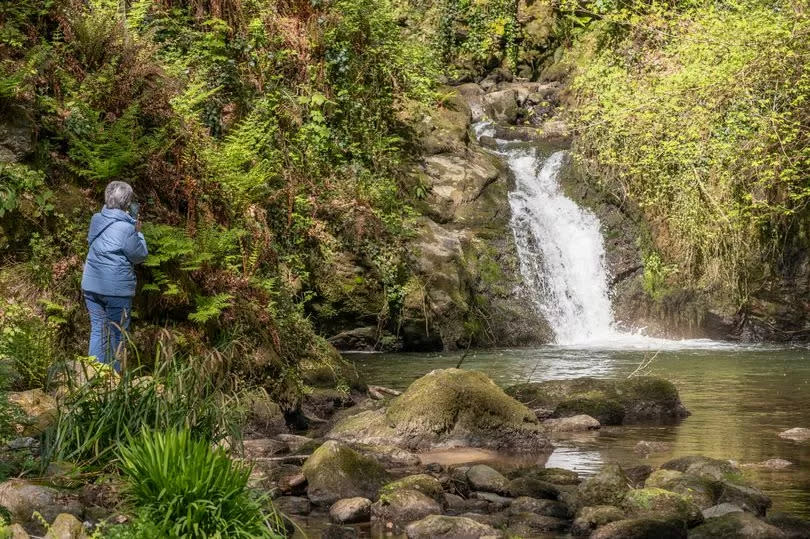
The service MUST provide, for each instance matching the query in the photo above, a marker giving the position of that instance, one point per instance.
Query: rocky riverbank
(425, 463)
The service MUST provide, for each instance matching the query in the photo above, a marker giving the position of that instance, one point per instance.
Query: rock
(15, 531)
(496, 520)
(501, 106)
(426, 484)
(17, 131)
(350, 510)
(22, 443)
(556, 476)
(333, 531)
(266, 415)
(444, 526)
(591, 517)
(335, 471)
(703, 466)
(770, 464)
(533, 488)
(736, 526)
(293, 505)
(66, 526)
(482, 477)
(749, 498)
(495, 500)
(450, 407)
(363, 339)
(638, 474)
(703, 491)
(405, 505)
(549, 508)
(388, 455)
(662, 505)
(456, 504)
(608, 487)
(295, 483)
(645, 448)
(792, 527)
(721, 510)
(640, 529)
(39, 409)
(22, 499)
(606, 411)
(576, 423)
(798, 434)
(532, 525)
(263, 448)
(473, 94)
(294, 442)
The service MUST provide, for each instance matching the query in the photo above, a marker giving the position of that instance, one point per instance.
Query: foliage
(187, 489)
(699, 115)
(182, 392)
(28, 346)
(476, 31)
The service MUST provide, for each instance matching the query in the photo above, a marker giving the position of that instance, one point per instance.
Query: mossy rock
(405, 505)
(702, 491)
(444, 526)
(426, 484)
(326, 368)
(336, 471)
(608, 487)
(736, 526)
(647, 398)
(606, 411)
(640, 528)
(450, 407)
(721, 470)
(662, 505)
(591, 517)
(556, 476)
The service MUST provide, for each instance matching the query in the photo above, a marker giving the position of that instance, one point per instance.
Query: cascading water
(561, 250)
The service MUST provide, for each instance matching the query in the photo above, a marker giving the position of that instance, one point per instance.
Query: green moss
(608, 412)
(335, 471)
(423, 483)
(659, 503)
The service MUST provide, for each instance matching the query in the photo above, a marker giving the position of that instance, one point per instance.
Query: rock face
(448, 408)
(443, 526)
(643, 398)
(335, 471)
(39, 409)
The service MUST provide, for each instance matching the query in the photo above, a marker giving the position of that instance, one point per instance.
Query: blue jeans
(109, 317)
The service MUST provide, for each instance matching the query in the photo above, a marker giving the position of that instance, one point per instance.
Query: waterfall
(562, 254)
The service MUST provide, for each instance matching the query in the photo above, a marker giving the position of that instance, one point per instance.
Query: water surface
(740, 399)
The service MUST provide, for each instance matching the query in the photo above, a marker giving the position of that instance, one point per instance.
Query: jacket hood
(105, 217)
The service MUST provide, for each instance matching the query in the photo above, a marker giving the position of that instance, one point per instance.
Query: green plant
(187, 489)
(28, 346)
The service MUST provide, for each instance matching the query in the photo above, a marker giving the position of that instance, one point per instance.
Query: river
(740, 397)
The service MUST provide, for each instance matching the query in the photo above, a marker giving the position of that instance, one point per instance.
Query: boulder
(66, 526)
(15, 531)
(591, 517)
(640, 529)
(456, 504)
(533, 488)
(444, 526)
(661, 504)
(350, 510)
(39, 409)
(405, 505)
(770, 464)
(748, 498)
(23, 499)
(645, 448)
(266, 415)
(736, 526)
(496, 520)
(576, 423)
(638, 474)
(293, 505)
(482, 477)
(792, 527)
(334, 531)
(549, 508)
(501, 106)
(703, 491)
(533, 525)
(426, 484)
(608, 487)
(798, 434)
(704, 466)
(336, 471)
(17, 133)
(556, 476)
(606, 411)
(450, 407)
(263, 448)
(495, 500)
(720, 510)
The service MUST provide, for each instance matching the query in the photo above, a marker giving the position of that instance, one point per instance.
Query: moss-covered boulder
(662, 505)
(640, 528)
(445, 408)
(482, 477)
(702, 491)
(404, 505)
(426, 484)
(736, 526)
(549, 508)
(591, 517)
(643, 398)
(556, 476)
(336, 471)
(792, 527)
(747, 497)
(533, 488)
(444, 526)
(533, 525)
(705, 467)
(608, 487)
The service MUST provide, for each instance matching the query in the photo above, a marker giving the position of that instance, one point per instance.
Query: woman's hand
(138, 225)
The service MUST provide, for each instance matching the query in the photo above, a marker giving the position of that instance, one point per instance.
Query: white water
(562, 256)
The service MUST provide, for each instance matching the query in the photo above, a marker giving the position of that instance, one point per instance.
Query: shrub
(186, 489)
(27, 347)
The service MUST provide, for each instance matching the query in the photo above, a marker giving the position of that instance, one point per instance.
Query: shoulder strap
(90, 244)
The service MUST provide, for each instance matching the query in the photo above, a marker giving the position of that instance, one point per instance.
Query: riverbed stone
(703, 491)
(293, 505)
(549, 508)
(446, 526)
(534, 488)
(336, 471)
(576, 423)
(798, 434)
(501, 106)
(608, 487)
(23, 498)
(350, 510)
(531, 524)
(66, 526)
(424, 483)
(747, 497)
(405, 505)
(606, 411)
(482, 477)
(637, 475)
(497, 519)
(640, 528)
(591, 517)
(792, 527)
(457, 504)
(556, 476)
(448, 407)
(770, 464)
(39, 409)
(15, 531)
(721, 509)
(736, 526)
(662, 505)
(645, 447)
(704, 466)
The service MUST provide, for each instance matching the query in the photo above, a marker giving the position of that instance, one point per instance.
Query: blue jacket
(115, 247)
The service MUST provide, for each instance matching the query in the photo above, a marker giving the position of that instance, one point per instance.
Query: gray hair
(118, 195)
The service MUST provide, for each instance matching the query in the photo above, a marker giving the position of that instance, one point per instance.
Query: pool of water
(740, 397)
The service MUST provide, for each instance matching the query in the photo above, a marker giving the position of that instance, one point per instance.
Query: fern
(210, 307)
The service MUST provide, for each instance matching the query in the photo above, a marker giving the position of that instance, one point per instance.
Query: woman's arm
(135, 247)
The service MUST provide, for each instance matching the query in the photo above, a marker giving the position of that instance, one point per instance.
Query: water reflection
(740, 399)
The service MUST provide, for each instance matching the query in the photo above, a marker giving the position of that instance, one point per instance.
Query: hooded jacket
(115, 246)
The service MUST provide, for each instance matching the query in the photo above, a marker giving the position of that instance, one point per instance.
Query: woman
(116, 244)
